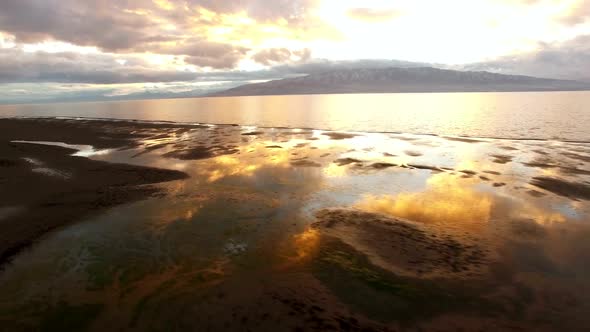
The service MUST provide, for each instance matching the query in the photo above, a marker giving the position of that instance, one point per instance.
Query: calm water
(231, 247)
(540, 115)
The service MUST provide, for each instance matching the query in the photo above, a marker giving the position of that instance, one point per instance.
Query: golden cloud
(447, 199)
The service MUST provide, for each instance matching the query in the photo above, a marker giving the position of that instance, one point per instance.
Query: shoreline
(278, 95)
(197, 124)
(50, 188)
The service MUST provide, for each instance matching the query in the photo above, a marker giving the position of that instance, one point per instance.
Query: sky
(62, 50)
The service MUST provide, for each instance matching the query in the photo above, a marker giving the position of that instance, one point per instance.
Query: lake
(536, 115)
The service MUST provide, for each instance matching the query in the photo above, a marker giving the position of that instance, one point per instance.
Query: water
(538, 115)
(231, 247)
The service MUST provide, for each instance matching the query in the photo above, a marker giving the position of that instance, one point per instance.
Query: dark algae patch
(501, 158)
(66, 317)
(305, 163)
(384, 296)
(339, 136)
(381, 165)
(346, 161)
(201, 152)
(576, 190)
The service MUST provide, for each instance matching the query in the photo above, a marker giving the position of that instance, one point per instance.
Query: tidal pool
(300, 229)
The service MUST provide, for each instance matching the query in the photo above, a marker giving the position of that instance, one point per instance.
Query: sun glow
(177, 41)
(451, 32)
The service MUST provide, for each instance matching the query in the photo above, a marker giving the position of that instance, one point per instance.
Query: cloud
(114, 25)
(372, 15)
(17, 66)
(261, 10)
(274, 56)
(579, 13)
(69, 76)
(204, 53)
(565, 60)
(99, 23)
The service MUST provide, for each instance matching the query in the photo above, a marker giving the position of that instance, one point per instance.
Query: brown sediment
(403, 247)
(463, 139)
(539, 164)
(499, 184)
(432, 168)
(492, 172)
(501, 158)
(574, 170)
(404, 138)
(274, 147)
(339, 136)
(201, 152)
(160, 136)
(381, 165)
(305, 163)
(576, 190)
(535, 193)
(468, 172)
(253, 133)
(508, 148)
(413, 153)
(101, 134)
(577, 156)
(425, 143)
(346, 161)
(541, 152)
(484, 178)
(151, 148)
(387, 154)
(564, 169)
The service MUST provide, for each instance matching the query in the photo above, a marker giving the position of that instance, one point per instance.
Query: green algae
(386, 297)
(66, 317)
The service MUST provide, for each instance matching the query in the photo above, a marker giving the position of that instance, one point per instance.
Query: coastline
(513, 115)
(45, 187)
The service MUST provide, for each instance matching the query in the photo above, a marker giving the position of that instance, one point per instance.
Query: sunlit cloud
(446, 200)
(202, 36)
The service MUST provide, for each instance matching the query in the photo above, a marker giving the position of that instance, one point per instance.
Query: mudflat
(165, 226)
(44, 187)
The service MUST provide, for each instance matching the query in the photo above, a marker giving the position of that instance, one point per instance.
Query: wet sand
(168, 226)
(47, 188)
(403, 247)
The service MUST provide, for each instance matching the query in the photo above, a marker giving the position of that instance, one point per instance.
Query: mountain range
(394, 79)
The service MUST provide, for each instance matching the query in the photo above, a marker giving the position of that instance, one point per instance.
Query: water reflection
(517, 115)
(243, 218)
(446, 199)
(305, 244)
